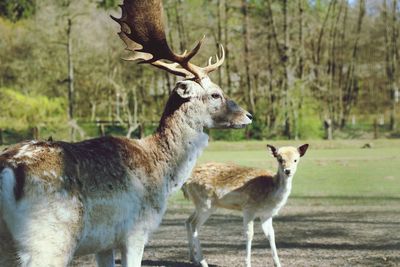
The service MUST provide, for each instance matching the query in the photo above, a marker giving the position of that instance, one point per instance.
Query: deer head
(288, 157)
(142, 30)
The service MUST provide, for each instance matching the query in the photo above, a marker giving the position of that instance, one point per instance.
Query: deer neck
(180, 141)
(283, 182)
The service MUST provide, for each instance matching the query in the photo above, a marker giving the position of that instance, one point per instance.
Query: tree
(391, 31)
(108, 4)
(351, 86)
(246, 57)
(17, 9)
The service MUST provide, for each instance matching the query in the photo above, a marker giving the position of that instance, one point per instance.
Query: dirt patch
(356, 235)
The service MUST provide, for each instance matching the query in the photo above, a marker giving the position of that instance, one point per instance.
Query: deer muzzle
(237, 116)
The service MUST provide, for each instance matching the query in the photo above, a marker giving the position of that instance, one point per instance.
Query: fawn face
(288, 157)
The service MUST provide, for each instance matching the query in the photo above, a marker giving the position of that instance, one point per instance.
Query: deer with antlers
(60, 199)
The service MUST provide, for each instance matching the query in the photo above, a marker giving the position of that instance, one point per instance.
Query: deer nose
(249, 116)
(287, 172)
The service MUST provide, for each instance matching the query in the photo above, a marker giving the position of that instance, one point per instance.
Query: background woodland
(305, 69)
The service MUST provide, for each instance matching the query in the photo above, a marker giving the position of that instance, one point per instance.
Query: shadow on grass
(166, 263)
(349, 198)
(345, 217)
(170, 263)
(289, 245)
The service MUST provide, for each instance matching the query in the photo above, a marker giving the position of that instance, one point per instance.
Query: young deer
(255, 192)
(60, 199)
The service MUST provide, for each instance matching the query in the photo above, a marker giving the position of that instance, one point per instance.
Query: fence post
(100, 127)
(35, 133)
(141, 130)
(1, 137)
(376, 129)
(328, 129)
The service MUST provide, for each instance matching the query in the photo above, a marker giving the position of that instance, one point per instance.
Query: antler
(142, 30)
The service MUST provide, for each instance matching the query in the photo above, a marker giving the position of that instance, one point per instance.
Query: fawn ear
(273, 150)
(302, 149)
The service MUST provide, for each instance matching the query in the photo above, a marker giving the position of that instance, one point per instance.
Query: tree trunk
(297, 112)
(70, 79)
(285, 63)
(272, 95)
(341, 61)
(180, 26)
(246, 40)
(171, 45)
(388, 56)
(351, 89)
(332, 64)
(317, 54)
(393, 61)
(219, 24)
(132, 120)
(226, 46)
(300, 66)
(283, 52)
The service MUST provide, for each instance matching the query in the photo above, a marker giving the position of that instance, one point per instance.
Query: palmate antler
(143, 32)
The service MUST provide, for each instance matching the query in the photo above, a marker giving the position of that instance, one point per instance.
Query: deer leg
(189, 232)
(42, 239)
(248, 223)
(193, 224)
(45, 253)
(132, 253)
(105, 258)
(8, 253)
(269, 232)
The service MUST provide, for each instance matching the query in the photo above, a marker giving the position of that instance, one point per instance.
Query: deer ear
(302, 149)
(184, 90)
(273, 150)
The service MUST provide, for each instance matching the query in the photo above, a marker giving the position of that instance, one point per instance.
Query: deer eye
(216, 96)
(295, 160)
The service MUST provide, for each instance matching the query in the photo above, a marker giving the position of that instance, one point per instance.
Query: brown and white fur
(60, 199)
(255, 192)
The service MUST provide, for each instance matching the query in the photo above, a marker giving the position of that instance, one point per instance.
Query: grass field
(332, 171)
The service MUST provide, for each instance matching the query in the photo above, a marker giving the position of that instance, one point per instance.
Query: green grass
(333, 172)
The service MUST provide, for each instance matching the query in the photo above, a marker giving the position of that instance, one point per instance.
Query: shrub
(20, 112)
